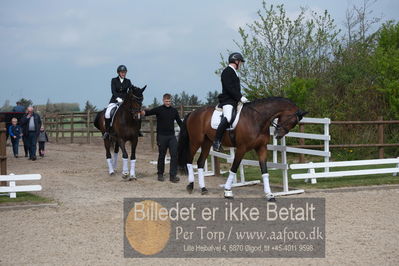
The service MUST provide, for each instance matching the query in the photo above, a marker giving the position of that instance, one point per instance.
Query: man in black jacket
(31, 124)
(166, 117)
(119, 88)
(230, 95)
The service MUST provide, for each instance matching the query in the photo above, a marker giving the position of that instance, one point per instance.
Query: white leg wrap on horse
(110, 166)
(132, 168)
(115, 160)
(230, 180)
(190, 173)
(125, 168)
(201, 178)
(266, 186)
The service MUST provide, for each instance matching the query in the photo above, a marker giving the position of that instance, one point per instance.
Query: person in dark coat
(166, 116)
(230, 96)
(31, 124)
(120, 86)
(15, 132)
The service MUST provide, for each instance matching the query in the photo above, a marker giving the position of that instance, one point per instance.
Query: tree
(212, 98)
(277, 49)
(6, 106)
(155, 103)
(386, 65)
(90, 107)
(25, 102)
(185, 99)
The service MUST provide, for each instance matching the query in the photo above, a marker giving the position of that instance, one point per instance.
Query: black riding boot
(219, 134)
(107, 126)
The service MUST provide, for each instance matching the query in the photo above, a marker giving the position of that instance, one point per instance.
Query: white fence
(312, 174)
(283, 149)
(12, 188)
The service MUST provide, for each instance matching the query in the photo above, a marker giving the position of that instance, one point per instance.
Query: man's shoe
(34, 158)
(161, 178)
(174, 179)
(204, 191)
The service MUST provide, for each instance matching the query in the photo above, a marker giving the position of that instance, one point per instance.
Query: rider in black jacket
(120, 86)
(230, 96)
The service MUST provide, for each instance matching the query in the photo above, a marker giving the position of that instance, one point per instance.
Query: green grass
(24, 197)
(253, 173)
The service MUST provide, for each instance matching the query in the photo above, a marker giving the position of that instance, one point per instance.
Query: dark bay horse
(125, 127)
(251, 133)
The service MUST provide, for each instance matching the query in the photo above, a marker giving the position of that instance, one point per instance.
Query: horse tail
(97, 120)
(183, 147)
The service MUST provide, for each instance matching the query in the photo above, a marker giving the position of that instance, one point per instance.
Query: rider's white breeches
(108, 111)
(228, 111)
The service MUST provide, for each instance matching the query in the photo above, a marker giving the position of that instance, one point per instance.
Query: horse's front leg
(107, 145)
(228, 193)
(115, 157)
(125, 159)
(133, 159)
(262, 155)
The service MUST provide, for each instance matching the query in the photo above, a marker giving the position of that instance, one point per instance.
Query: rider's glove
(119, 100)
(243, 99)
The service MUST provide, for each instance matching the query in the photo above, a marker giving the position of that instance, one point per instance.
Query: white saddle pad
(217, 116)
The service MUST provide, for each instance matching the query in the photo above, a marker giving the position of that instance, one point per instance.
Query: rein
(274, 124)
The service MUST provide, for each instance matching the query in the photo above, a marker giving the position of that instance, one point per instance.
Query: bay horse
(125, 127)
(251, 133)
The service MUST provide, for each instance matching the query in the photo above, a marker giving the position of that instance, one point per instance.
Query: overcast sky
(68, 51)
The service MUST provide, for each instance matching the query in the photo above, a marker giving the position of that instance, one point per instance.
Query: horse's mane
(271, 99)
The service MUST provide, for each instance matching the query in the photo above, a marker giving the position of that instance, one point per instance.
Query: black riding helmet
(121, 68)
(236, 57)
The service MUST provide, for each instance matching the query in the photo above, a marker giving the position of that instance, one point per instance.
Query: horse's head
(286, 121)
(135, 100)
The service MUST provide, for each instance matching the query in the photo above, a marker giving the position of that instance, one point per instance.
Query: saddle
(112, 113)
(218, 114)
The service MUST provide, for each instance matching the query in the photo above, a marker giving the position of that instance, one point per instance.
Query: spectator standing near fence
(42, 139)
(166, 116)
(15, 132)
(31, 124)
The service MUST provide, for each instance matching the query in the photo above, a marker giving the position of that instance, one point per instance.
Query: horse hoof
(112, 173)
(204, 191)
(190, 187)
(133, 178)
(125, 175)
(228, 194)
(270, 198)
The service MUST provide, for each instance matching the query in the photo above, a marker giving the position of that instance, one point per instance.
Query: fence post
(88, 127)
(72, 128)
(381, 138)
(302, 142)
(181, 111)
(3, 152)
(57, 120)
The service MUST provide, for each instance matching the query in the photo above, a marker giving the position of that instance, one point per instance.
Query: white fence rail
(312, 174)
(12, 188)
(281, 164)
